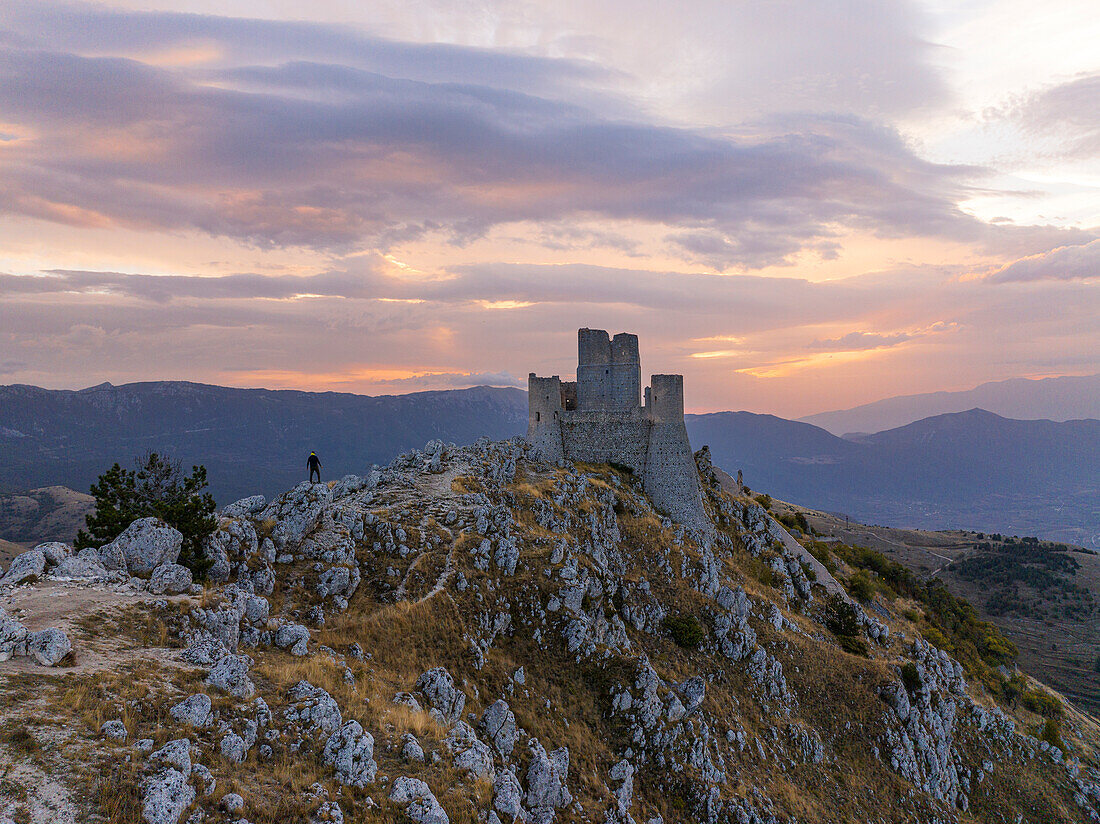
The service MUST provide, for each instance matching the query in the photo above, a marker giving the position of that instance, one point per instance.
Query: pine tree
(157, 488)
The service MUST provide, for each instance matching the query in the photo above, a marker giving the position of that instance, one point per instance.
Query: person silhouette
(314, 464)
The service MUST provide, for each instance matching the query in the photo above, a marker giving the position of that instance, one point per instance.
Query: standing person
(314, 464)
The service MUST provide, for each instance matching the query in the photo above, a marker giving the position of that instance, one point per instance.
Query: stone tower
(601, 418)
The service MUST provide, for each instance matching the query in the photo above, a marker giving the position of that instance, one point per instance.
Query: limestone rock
(546, 781)
(508, 796)
(230, 674)
(232, 747)
(312, 708)
(170, 579)
(143, 546)
(498, 724)
(114, 729)
(85, 564)
(294, 636)
(411, 749)
(351, 751)
(48, 646)
(439, 688)
(175, 753)
(26, 565)
(194, 711)
(245, 507)
(55, 552)
(166, 796)
(231, 802)
(417, 799)
(470, 753)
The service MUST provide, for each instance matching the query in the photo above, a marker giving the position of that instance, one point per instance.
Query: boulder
(439, 688)
(546, 780)
(195, 711)
(205, 651)
(508, 796)
(48, 646)
(85, 564)
(245, 507)
(232, 747)
(26, 565)
(175, 753)
(144, 545)
(55, 552)
(231, 803)
(294, 636)
(13, 637)
(411, 749)
(470, 753)
(230, 674)
(166, 796)
(417, 799)
(313, 708)
(114, 730)
(498, 724)
(256, 610)
(202, 777)
(351, 751)
(170, 579)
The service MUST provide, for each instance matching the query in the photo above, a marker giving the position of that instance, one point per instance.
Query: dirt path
(66, 605)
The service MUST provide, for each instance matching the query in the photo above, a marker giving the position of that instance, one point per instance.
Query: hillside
(52, 513)
(1058, 399)
(1044, 596)
(469, 636)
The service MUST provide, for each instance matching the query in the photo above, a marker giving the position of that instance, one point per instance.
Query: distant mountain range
(1056, 399)
(250, 440)
(970, 470)
(973, 469)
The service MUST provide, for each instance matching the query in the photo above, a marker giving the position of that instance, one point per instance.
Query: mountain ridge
(1062, 398)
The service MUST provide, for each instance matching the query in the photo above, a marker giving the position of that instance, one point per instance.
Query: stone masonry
(599, 418)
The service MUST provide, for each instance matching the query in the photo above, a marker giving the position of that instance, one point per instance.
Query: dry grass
(466, 485)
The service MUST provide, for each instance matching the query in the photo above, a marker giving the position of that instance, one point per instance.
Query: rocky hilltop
(467, 635)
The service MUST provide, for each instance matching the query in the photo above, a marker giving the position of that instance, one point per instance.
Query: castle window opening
(538, 416)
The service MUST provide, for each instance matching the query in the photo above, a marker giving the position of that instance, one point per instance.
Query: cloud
(9, 367)
(1067, 112)
(334, 151)
(855, 341)
(1080, 262)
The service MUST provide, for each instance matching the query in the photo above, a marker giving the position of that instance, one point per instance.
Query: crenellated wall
(600, 419)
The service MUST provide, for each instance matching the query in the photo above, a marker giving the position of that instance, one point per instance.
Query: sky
(800, 205)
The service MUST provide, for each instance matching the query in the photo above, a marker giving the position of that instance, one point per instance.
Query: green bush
(1042, 703)
(157, 488)
(685, 630)
(842, 620)
(860, 586)
(1052, 734)
(765, 500)
(910, 677)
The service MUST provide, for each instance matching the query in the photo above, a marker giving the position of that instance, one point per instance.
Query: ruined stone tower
(601, 418)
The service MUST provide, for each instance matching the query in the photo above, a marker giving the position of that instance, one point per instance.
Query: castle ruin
(600, 418)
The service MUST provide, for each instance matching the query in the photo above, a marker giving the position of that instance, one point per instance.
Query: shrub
(765, 500)
(861, 587)
(1052, 734)
(685, 630)
(842, 620)
(910, 677)
(1042, 703)
(156, 487)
